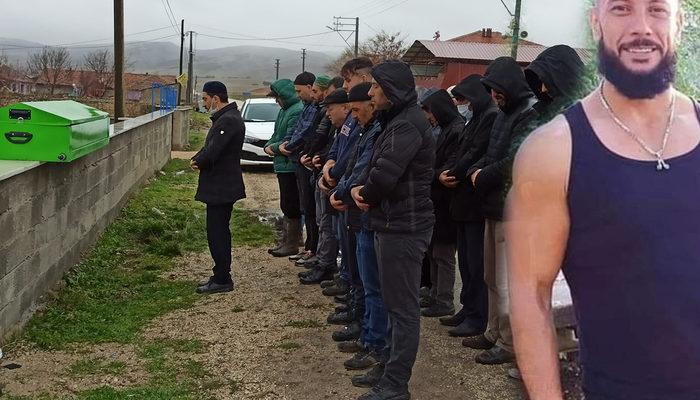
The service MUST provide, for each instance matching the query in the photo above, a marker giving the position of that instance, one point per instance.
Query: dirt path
(269, 336)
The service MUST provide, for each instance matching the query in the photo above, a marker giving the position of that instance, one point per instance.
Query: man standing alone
(220, 180)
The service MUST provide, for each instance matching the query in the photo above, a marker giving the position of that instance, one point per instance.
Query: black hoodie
(561, 70)
(397, 180)
(503, 75)
(466, 205)
(440, 104)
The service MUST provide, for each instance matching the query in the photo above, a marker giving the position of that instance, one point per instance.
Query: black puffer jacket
(219, 161)
(505, 76)
(397, 182)
(321, 140)
(440, 104)
(465, 205)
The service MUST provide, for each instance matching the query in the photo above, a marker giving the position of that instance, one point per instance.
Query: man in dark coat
(442, 112)
(396, 190)
(489, 176)
(465, 207)
(220, 180)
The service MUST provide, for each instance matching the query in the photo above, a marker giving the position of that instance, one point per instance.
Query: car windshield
(261, 112)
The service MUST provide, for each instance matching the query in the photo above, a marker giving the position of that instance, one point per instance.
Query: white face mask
(212, 110)
(463, 109)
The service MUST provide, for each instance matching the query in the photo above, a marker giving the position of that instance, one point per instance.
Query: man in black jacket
(442, 112)
(396, 190)
(465, 207)
(489, 176)
(220, 180)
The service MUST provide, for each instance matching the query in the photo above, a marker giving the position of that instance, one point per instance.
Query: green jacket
(286, 120)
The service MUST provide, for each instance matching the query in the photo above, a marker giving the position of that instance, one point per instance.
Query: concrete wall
(181, 128)
(52, 213)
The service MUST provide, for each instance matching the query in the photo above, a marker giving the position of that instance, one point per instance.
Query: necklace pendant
(662, 165)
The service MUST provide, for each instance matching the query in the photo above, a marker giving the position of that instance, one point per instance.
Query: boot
(282, 238)
(290, 246)
(317, 276)
(370, 379)
(340, 288)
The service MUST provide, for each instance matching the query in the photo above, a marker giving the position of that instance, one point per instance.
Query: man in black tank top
(608, 194)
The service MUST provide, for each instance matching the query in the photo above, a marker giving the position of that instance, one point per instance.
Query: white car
(259, 116)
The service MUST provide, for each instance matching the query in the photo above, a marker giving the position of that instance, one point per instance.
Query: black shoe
(426, 302)
(317, 276)
(363, 359)
(424, 292)
(343, 299)
(205, 282)
(495, 356)
(437, 311)
(349, 332)
(379, 393)
(331, 282)
(454, 320)
(341, 318)
(478, 343)
(352, 346)
(340, 288)
(370, 379)
(342, 308)
(467, 329)
(213, 287)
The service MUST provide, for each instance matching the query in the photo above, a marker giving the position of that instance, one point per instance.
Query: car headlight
(249, 139)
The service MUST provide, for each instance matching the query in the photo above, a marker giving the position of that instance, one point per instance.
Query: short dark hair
(360, 64)
(337, 82)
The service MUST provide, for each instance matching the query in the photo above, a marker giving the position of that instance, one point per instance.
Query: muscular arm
(537, 229)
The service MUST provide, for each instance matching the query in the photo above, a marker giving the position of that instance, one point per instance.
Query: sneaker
(213, 287)
(340, 318)
(437, 311)
(478, 343)
(370, 379)
(349, 332)
(495, 356)
(454, 320)
(341, 288)
(363, 359)
(352, 346)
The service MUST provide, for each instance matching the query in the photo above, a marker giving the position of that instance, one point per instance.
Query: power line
(277, 40)
(376, 7)
(173, 22)
(387, 9)
(364, 6)
(371, 27)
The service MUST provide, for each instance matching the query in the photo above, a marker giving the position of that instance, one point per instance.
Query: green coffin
(58, 131)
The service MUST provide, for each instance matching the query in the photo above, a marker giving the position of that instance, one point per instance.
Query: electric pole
(182, 49)
(303, 60)
(340, 26)
(190, 70)
(118, 59)
(516, 29)
(277, 68)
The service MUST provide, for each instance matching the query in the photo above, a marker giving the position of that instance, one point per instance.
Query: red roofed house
(442, 64)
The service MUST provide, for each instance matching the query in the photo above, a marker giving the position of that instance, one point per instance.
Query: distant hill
(247, 62)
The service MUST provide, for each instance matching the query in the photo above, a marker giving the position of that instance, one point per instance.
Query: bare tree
(51, 63)
(381, 47)
(100, 66)
(3, 59)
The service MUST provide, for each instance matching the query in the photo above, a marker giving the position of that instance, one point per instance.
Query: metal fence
(167, 98)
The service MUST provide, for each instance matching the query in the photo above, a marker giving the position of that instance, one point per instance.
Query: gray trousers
(443, 265)
(327, 249)
(400, 258)
(496, 278)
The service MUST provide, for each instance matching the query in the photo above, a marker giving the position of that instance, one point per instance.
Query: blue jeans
(342, 236)
(375, 317)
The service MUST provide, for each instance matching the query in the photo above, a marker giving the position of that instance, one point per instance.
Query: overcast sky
(69, 21)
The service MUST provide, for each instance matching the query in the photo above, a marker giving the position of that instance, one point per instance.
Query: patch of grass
(196, 140)
(117, 289)
(306, 324)
(186, 345)
(96, 366)
(199, 126)
(195, 369)
(289, 346)
(237, 309)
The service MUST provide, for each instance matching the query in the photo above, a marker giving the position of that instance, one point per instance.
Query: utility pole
(190, 69)
(182, 50)
(357, 37)
(340, 26)
(516, 29)
(277, 67)
(118, 59)
(303, 60)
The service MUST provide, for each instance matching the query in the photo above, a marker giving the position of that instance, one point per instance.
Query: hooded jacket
(503, 75)
(219, 161)
(465, 205)
(286, 121)
(397, 182)
(561, 70)
(320, 141)
(443, 108)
